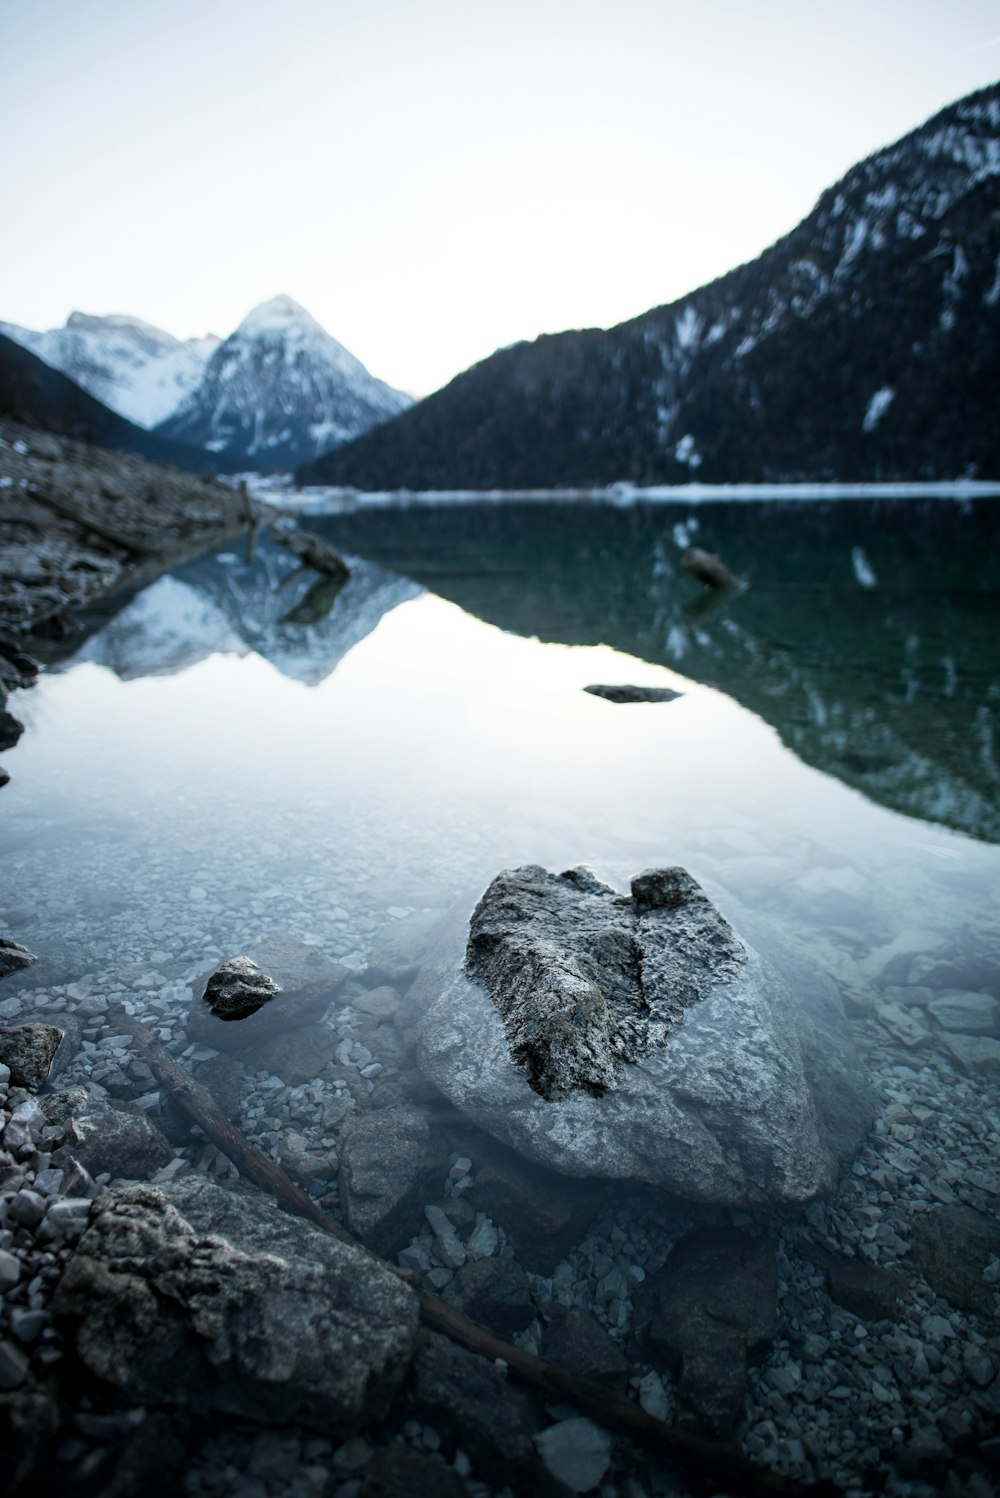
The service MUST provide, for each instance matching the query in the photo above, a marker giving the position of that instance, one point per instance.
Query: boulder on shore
(639, 1037)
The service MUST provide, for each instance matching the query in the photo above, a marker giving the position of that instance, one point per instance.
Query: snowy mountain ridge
(280, 390)
(136, 369)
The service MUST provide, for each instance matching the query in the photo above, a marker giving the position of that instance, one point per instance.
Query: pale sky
(434, 179)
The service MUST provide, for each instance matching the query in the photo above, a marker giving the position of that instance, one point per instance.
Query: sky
(434, 179)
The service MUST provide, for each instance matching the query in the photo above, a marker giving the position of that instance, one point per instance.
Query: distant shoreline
(320, 499)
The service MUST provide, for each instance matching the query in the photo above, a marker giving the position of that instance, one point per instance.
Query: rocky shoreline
(852, 1341)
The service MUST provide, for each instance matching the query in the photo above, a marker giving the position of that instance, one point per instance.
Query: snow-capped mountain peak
(280, 390)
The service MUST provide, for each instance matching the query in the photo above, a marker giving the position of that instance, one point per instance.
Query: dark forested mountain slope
(863, 345)
(33, 392)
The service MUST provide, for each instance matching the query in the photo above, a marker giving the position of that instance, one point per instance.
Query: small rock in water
(238, 989)
(448, 1244)
(13, 957)
(632, 693)
(575, 1452)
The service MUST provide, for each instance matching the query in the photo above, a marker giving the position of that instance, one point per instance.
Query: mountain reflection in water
(867, 636)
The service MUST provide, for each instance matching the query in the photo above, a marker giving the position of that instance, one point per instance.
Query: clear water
(205, 769)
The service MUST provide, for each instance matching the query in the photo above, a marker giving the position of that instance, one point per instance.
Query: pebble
(576, 1452)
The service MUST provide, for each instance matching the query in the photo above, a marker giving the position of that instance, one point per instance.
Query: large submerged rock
(639, 1037)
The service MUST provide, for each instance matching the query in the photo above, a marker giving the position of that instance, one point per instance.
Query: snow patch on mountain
(136, 369)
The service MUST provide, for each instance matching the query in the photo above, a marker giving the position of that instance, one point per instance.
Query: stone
(306, 982)
(544, 1214)
(951, 1247)
(709, 1310)
(577, 1341)
(238, 989)
(390, 1167)
(296, 1057)
(726, 1075)
(381, 1004)
(398, 950)
(469, 1402)
(399, 1471)
(494, 1292)
(975, 1055)
(968, 1013)
(27, 1207)
(195, 1296)
(116, 1137)
(576, 1452)
(13, 1365)
(866, 1290)
(29, 1051)
(13, 958)
(219, 1076)
(902, 1024)
(615, 693)
(447, 1244)
(10, 1271)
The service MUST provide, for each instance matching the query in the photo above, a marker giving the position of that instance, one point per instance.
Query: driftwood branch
(707, 1462)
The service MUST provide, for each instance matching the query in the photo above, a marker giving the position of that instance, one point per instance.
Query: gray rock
(469, 1401)
(13, 1365)
(238, 989)
(216, 1300)
(578, 1341)
(390, 1166)
(296, 1057)
(711, 1308)
(307, 981)
(448, 1245)
(976, 1055)
(398, 1471)
(544, 1214)
(968, 1013)
(866, 1290)
(13, 958)
(494, 1292)
(576, 1452)
(109, 1136)
(732, 1078)
(951, 1247)
(380, 1004)
(398, 949)
(29, 1051)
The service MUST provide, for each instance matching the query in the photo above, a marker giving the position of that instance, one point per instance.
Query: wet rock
(390, 1166)
(116, 1137)
(13, 957)
(866, 1290)
(720, 1074)
(379, 1004)
(238, 989)
(11, 729)
(494, 1292)
(579, 1342)
(398, 950)
(544, 1214)
(29, 1051)
(576, 1453)
(968, 1013)
(711, 1308)
(950, 1248)
(278, 1322)
(617, 693)
(296, 1057)
(469, 1401)
(307, 981)
(398, 1471)
(975, 1055)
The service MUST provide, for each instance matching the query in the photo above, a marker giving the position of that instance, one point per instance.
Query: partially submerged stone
(620, 692)
(638, 1037)
(238, 989)
(13, 957)
(29, 1051)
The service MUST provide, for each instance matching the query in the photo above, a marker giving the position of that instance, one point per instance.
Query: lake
(236, 752)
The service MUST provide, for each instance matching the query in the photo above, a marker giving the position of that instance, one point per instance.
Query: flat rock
(29, 1051)
(494, 1292)
(194, 1296)
(968, 1013)
(116, 1137)
(951, 1247)
(297, 1056)
(976, 1055)
(616, 693)
(641, 1038)
(13, 957)
(390, 1167)
(866, 1290)
(710, 1310)
(578, 1341)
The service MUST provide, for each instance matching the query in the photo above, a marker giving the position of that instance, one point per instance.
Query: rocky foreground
(166, 1327)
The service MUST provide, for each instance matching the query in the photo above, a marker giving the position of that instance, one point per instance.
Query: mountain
(280, 390)
(863, 345)
(33, 392)
(137, 370)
